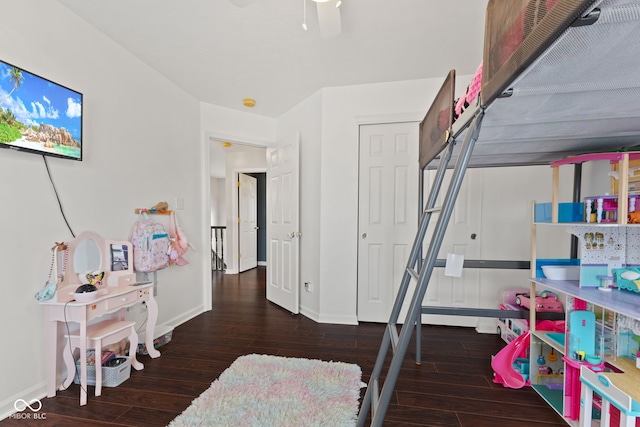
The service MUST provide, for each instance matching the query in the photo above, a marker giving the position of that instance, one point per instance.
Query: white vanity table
(88, 252)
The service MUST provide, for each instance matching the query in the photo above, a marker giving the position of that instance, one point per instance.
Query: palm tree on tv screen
(16, 78)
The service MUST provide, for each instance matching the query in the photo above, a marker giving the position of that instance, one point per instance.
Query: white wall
(143, 145)
(218, 202)
(235, 126)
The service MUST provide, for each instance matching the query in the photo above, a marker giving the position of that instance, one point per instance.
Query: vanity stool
(99, 335)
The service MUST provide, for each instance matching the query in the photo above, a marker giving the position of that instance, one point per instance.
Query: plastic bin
(111, 376)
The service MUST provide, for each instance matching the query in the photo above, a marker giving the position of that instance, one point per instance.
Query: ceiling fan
(328, 15)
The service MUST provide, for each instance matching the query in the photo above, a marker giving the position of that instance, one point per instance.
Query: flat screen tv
(38, 115)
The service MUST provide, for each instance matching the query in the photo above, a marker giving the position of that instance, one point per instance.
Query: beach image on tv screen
(39, 115)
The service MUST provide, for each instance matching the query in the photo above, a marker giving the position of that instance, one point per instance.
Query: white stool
(98, 335)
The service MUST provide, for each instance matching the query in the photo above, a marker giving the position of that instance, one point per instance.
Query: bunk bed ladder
(419, 270)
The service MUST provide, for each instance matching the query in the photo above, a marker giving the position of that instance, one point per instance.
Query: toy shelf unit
(602, 308)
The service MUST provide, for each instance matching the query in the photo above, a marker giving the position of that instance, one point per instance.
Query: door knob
(364, 235)
(473, 236)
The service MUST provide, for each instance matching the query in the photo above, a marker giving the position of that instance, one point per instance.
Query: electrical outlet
(179, 203)
(307, 286)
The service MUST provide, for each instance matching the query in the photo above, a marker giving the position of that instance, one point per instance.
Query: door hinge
(238, 183)
(238, 220)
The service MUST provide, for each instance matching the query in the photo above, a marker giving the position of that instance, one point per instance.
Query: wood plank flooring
(452, 387)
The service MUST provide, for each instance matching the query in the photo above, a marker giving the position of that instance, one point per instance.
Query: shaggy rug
(271, 391)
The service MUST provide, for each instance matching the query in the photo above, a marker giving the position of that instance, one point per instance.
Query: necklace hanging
(50, 287)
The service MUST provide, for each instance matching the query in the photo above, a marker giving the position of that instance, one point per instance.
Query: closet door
(388, 214)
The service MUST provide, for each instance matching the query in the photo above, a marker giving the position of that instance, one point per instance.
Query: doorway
(280, 163)
(227, 161)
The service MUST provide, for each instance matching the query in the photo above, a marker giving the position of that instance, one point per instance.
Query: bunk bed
(558, 78)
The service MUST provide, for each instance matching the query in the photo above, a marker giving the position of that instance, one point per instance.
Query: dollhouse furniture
(99, 335)
(606, 208)
(620, 389)
(95, 319)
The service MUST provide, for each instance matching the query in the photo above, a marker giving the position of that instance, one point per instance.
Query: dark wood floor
(451, 388)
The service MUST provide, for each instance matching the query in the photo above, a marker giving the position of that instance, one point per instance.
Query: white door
(283, 229)
(247, 222)
(463, 238)
(388, 214)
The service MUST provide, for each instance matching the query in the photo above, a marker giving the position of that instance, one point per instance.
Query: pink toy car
(547, 301)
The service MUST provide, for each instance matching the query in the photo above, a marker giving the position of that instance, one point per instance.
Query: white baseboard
(487, 326)
(32, 395)
(339, 320)
(179, 320)
(311, 314)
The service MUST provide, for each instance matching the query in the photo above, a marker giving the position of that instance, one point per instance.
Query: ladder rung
(393, 334)
(434, 209)
(375, 396)
(413, 273)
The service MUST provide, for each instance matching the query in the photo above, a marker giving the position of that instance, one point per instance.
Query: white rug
(272, 391)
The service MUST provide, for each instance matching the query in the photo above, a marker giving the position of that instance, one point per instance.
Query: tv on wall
(38, 115)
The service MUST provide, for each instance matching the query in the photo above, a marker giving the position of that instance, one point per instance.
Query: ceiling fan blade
(241, 3)
(329, 19)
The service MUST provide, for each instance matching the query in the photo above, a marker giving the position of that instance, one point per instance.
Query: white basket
(111, 376)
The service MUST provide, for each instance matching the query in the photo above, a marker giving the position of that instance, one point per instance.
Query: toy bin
(111, 376)
(164, 338)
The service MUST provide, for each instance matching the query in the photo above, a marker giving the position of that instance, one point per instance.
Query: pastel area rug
(272, 391)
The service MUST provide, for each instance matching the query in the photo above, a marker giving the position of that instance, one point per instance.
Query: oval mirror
(87, 256)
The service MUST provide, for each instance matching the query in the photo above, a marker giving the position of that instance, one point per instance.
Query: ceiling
(221, 53)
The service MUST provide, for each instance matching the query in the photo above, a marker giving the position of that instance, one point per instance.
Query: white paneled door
(247, 222)
(388, 214)
(283, 224)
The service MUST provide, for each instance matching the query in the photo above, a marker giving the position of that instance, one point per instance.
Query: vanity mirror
(90, 253)
(87, 256)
